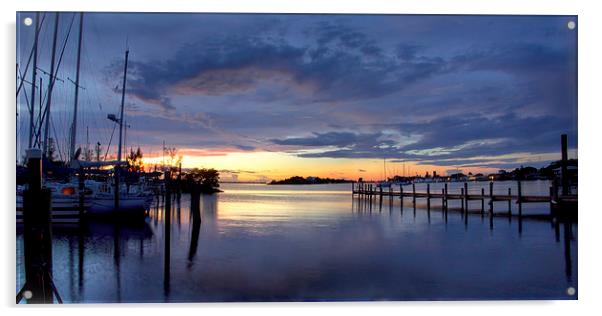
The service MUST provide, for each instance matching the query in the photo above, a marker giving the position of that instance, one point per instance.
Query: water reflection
(279, 245)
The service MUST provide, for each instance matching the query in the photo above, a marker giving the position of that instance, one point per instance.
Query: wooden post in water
(565, 176)
(380, 198)
(167, 237)
(491, 197)
(551, 200)
(482, 201)
(401, 192)
(466, 197)
(554, 196)
(509, 202)
(520, 199)
(442, 198)
(445, 195)
(81, 191)
(428, 196)
(116, 188)
(414, 193)
(37, 236)
(461, 199)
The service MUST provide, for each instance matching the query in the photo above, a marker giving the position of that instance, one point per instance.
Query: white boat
(64, 196)
(384, 184)
(132, 200)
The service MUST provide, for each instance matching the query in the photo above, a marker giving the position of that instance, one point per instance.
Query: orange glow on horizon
(266, 166)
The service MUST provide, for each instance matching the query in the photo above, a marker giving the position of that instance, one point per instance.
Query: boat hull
(129, 205)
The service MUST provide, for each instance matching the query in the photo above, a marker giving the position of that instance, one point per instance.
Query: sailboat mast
(125, 71)
(32, 112)
(50, 86)
(74, 124)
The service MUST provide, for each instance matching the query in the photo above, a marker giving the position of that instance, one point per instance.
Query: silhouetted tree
(134, 161)
(207, 180)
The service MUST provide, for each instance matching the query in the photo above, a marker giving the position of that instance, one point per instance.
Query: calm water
(291, 243)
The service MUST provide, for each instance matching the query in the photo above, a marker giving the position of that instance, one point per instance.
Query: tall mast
(50, 86)
(74, 124)
(33, 81)
(125, 72)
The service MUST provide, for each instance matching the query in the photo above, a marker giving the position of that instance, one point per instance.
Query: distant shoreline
(309, 180)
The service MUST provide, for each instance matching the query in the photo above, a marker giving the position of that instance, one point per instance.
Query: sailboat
(100, 197)
(110, 196)
(385, 183)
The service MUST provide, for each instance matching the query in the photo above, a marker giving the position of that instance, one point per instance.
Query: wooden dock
(554, 199)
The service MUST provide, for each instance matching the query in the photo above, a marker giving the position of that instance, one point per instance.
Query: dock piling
(466, 197)
(167, 239)
(564, 161)
(428, 196)
(519, 199)
(509, 202)
(482, 201)
(491, 197)
(37, 236)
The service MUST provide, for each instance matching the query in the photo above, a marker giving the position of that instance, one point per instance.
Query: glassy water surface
(290, 243)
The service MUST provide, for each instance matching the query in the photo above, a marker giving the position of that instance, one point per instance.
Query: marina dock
(567, 203)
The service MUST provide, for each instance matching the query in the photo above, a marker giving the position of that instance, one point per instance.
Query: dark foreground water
(296, 243)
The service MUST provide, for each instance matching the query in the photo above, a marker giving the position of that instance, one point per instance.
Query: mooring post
(116, 171)
(167, 237)
(551, 200)
(401, 192)
(462, 199)
(491, 197)
(414, 193)
(37, 236)
(520, 199)
(428, 196)
(565, 176)
(509, 201)
(81, 191)
(555, 195)
(445, 195)
(195, 202)
(443, 198)
(466, 196)
(482, 201)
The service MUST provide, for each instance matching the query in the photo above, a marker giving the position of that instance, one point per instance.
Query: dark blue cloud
(431, 89)
(339, 64)
(446, 138)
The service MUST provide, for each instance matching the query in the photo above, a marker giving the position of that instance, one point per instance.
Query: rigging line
(55, 142)
(58, 66)
(26, 98)
(110, 140)
(31, 54)
(53, 76)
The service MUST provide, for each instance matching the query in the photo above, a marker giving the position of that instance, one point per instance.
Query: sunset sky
(270, 96)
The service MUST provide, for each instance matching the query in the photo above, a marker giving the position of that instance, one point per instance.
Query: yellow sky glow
(253, 166)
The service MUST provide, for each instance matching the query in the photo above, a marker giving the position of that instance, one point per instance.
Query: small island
(309, 180)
